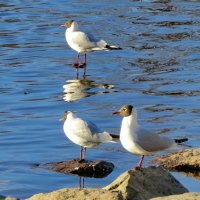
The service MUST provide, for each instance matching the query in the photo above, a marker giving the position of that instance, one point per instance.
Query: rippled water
(157, 71)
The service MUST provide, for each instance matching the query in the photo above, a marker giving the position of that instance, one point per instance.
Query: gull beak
(116, 113)
(63, 25)
(61, 120)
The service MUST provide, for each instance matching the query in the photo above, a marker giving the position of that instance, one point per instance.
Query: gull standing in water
(139, 141)
(84, 133)
(83, 42)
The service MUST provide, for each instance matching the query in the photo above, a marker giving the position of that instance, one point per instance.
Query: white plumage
(83, 42)
(137, 140)
(84, 133)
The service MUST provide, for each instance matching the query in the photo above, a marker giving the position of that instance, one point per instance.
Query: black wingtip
(114, 136)
(112, 48)
(179, 141)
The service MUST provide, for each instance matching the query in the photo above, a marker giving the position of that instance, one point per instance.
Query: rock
(96, 169)
(145, 184)
(185, 196)
(148, 183)
(77, 194)
(187, 160)
(7, 198)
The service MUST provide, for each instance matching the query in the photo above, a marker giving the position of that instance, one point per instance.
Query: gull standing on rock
(139, 141)
(84, 133)
(84, 42)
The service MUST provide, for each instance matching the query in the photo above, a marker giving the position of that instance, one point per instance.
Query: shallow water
(157, 71)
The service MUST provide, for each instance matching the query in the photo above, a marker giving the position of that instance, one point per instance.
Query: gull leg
(81, 182)
(76, 61)
(76, 64)
(140, 163)
(77, 73)
(84, 65)
(81, 153)
(84, 153)
(85, 59)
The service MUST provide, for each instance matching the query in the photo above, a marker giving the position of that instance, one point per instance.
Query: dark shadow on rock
(85, 168)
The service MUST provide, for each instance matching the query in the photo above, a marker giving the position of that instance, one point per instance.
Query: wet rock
(7, 198)
(77, 194)
(185, 196)
(85, 168)
(145, 184)
(187, 161)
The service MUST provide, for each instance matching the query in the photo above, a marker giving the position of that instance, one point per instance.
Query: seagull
(83, 42)
(139, 141)
(84, 133)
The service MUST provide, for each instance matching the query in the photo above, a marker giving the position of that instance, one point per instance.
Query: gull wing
(89, 131)
(83, 40)
(152, 142)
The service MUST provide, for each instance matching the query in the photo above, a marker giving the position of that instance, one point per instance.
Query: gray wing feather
(90, 132)
(93, 128)
(152, 142)
(84, 40)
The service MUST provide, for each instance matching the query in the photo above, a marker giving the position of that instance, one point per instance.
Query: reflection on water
(77, 89)
(157, 70)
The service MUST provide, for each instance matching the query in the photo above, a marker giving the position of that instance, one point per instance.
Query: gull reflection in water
(77, 89)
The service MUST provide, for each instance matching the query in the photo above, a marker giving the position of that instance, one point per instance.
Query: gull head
(64, 118)
(68, 24)
(124, 110)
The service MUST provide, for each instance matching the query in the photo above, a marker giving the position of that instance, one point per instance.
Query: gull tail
(112, 47)
(115, 138)
(107, 137)
(102, 45)
(179, 141)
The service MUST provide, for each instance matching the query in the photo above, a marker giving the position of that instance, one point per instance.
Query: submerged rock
(77, 194)
(185, 196)
(96, 169)
(187, 160)
(8, 198)
(145, 184)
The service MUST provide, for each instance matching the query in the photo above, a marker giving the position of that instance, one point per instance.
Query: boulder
(85, 168)
(185, 196)
(187, 160)
(145, 184)
(77, 194)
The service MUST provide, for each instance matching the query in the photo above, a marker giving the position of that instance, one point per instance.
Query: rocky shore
(152, 182)
(149, 183)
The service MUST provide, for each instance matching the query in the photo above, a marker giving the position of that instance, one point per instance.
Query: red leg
(77, 61)
(140, 163)
(84, 66)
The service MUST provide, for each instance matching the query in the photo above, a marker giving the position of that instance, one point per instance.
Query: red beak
(116, 113)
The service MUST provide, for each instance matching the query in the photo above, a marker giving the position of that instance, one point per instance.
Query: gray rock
(145, 184)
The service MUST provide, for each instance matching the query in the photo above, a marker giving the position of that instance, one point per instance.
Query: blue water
(157, 71)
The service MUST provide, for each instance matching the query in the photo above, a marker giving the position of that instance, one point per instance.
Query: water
(157, 71)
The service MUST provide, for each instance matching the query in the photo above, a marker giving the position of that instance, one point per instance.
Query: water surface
(157, 71)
